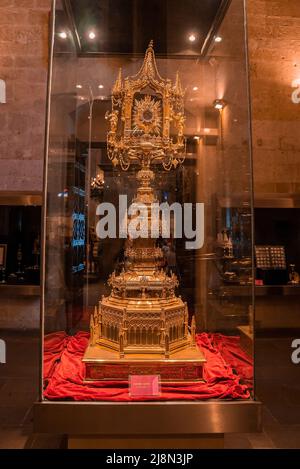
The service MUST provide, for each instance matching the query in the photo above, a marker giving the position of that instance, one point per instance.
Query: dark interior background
(279, 226)
(127, 26)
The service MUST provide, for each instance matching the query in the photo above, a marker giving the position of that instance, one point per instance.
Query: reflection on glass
(216, 280)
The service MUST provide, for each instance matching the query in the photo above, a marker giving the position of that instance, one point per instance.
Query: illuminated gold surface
(143, 320)
(183, 366)
(144, 108)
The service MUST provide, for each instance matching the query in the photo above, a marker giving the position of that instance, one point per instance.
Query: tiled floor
(278, 386)
(18, 387)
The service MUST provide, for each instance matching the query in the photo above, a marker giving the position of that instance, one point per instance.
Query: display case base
(145, 442)
(104, 364)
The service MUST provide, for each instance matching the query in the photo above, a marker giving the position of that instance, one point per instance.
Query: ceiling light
(197, 138)
(195, 88)
(101, 87)
(63, 35)
(219, 104)
(92, 35)
(192, 38)
(218, 39)
(79, 87)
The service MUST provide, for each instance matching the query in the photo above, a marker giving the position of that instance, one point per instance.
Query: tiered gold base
(183, 366)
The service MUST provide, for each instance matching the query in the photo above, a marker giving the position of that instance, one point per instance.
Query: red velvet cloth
(227, 373)
(54, 345)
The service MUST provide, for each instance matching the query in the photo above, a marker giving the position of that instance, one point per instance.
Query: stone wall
(19, 312)
(274, 46)
(23, 65)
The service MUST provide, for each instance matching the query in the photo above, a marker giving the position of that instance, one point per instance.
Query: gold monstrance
(142, 326)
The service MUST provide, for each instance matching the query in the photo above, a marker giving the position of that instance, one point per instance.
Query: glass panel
(172, 127)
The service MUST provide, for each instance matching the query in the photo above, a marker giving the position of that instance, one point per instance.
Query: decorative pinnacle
(151, 44)
(118, 84)
(178, 87)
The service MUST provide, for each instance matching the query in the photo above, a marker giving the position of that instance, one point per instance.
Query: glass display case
(148, 293)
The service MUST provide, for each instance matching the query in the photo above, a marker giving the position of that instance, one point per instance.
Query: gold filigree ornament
(142, 326)
(147, 115)
(144, 107)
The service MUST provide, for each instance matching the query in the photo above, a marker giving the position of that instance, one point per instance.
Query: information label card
(144, 386)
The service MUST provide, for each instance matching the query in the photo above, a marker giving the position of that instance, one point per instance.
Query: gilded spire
(178, 87)
(149, 67)
(117, 88)
(149, 62)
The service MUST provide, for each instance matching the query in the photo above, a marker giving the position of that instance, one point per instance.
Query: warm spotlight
(192, 38)
(92, 35)
(63, 35)
(218, 39)
(219, 104)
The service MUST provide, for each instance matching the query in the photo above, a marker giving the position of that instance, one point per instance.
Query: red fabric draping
(230, 349)
(54, 345)
(227, 373)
